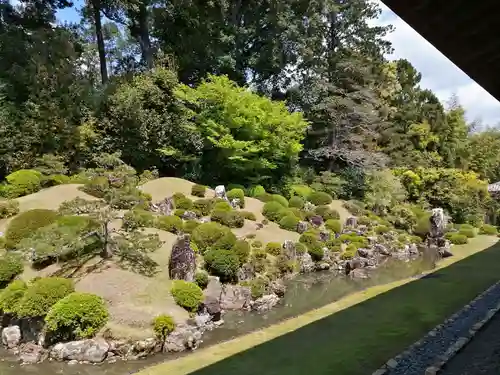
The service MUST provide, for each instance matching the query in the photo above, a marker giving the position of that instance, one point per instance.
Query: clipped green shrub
(127, 198)
(10, 266)
(266, 197)
(203, 205)
(289, 222)
(333, 225)
(457, 238)
(319, 198)
(255, 191)
(163, 325)
(23, 182)
(257, 244)
(308, 237)
(248, 215)
(237, 194)
(326, 213)
(300, 248)
(172, 224)
(198, 190)
(296, 202)
(189, 226)
(222, 263)
(364, 220)
(316, 252)
(187, 294)
(8, 208)
(213, 234)
(179, 213)
(201, 279)
(381, 229)
(258, 287)
(273, 248)
(222, 206)
(11, 295)
(77, 316)
(55, 179)
(423, 226)
(24, 224)
(242, 249)
(488, 229)
(355, 207)
(302, 191)
(349, 252)
(469, 232)
(42, 295)
(280, 199)
(271, 210)
(138, 218)
(183, 203)
(97, 186)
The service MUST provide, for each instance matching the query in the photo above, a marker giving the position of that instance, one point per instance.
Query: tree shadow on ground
(359, 339)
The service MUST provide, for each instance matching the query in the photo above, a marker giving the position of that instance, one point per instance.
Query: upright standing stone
(182, 264)
(220, 192)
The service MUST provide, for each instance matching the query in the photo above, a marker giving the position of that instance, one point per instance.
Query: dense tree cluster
(278, 94)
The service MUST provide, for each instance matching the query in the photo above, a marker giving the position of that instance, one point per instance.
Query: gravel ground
(423, 356)
(481, 356)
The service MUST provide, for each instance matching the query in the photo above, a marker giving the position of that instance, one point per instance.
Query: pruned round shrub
(26, 223)
(333, 225)
(316, 252)
(97, 186)
(349, 252)
(320, 198)
(179, 213)
(468, 232)
(231, 219)
(271, 210)
(381, 229)
(127, 198)
(42, 295)
(257, 244)
(242, 249)
(458, 238)
(300, 248)
(203, 205)
(172, 224)
(138, 218)
(308, 237)
(214, 234)
(23, 182)
(296, 202)
(302, 191)
(10, 266)
(187, 294)
(326, 213)
(190, 225)
(273, 248)
(266, 197)
(364, 220)
(163, 325)
(8, 208)
(355, 207)
(280, 199)
(258, 287)
(488, 229)
(198, 190)
(423, 226)
(222, 263)
(237, 194)
(289, 222)
(255, 191)
(11, 295)
(183, 203)
(222, 206)
(248, 215)
(77, 316)
(201, 279)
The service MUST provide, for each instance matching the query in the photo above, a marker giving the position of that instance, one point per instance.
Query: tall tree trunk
(142, 35)
(96, 13)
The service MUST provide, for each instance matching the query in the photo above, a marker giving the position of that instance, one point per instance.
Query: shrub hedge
(10, 266)
(237, 194)
(320, 198)
(187, 294)
(198, 190)
(172, 223)
(11, 295)
(222, 263)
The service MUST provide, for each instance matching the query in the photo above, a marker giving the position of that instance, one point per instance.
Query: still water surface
(304, 293)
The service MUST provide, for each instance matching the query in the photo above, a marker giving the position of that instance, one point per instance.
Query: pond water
(304, 293)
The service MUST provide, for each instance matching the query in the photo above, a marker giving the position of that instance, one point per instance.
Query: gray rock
(351, 222)
(30, 353)
(381, 249)
(212, 307)
(164, 207)
(413, 249)
(302, 226)
(278, 288)
(184, 337)
(143, 348)
(322, 266)
(306, 263)
(289, 249)
(182, 264)
(235, 203)
(11, 336)
(365, 253)
(359, 273)
(93, 351)
(324, 236)
(189, 215)
(265, 303)
(220, 192)
(308, 206)
(235, 297)
(201, 320)
(246, 272)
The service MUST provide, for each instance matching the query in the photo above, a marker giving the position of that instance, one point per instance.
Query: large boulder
(278, 288)
(30, 353)
(351, 222)
(306, 263)
(212, 307)
(220, 192)
(144, 348)
(359, 273)
(246, 272)
(93, 351)
(265, 303)
(11, 336)
(182, 338)
(189, 215)
(182, 264)
(235, 297)
(365, 253)
(165, 207)
(302, 226)
(289, 249)
(381, 249)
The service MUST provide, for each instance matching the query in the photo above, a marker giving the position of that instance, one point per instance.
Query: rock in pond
(265, 303)
(11, 336)
(93, 351)
(184, 337)
(30, 353)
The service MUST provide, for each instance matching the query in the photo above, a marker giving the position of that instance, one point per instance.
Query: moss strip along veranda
(356, 334)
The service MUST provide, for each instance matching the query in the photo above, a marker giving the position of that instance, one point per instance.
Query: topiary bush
(280, 199)
(296, 202)
(242, 249)
(289, 222)
(273, 248)
(300, 248)
(198, 190)
(8, 208)
(172, 224)
(302, 191)
(23, 182)
(42, 295)
(469, 232)
(309, 237)
(457, 238)
(355, 207)
(381, 229)
(222, 206)
(11, 295)
(237, 194)
(349, 252)
(179, 213)
(127, 198)
(26, 223)
(255, 191)
(266, 197)
(97, 187)
(488, 229)
(182, 202)
(319, 198)
(231, 219)
(326, 213)
(211, 234)
(203, 205)
(163, 325)
(201, 279)
(222, 263)
(187, 294)
(333, 225)
(77, 316)
(10, 266)
(190, 225)
(316, 252)
(271, 210)
(248, 215)
(138, 218)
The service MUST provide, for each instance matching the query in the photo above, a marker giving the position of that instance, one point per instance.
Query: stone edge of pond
(454, 348)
